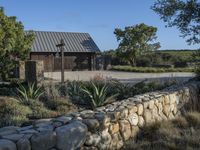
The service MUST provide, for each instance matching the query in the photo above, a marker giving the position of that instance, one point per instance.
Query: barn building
(79, 51)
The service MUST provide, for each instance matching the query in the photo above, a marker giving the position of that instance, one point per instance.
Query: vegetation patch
(180, 133)
(150, 69)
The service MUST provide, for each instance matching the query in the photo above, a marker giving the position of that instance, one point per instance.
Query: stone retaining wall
(105, 128)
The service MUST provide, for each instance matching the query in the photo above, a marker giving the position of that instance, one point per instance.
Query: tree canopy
(14, 43)
(135, 41)
(185, 15)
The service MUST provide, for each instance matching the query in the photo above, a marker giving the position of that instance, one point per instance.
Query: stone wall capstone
(106, 127)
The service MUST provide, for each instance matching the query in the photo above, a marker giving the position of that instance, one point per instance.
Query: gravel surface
(122, 76)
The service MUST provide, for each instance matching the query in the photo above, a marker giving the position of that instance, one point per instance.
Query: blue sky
(97, 17)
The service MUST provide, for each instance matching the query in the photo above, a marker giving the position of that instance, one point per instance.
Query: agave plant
(98, 95)
(30, 93)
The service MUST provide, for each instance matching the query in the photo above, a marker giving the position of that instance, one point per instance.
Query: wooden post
(62, 64)
(61, 46)
(94, 62)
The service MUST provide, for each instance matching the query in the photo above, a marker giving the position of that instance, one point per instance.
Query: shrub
(26, 95)
(197, 71)
(193, 118)
(12, 112)
(144, 62)
(123, 91)
(74, 91)
(40, 111)
(62, 106)
(8, 89)
(97, 95)
(180, 133)
(150, 69)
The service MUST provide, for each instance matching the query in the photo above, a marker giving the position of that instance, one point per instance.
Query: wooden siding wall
(73, 61)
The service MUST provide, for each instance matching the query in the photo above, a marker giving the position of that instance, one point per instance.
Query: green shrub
(75, 92)
(12, 112)
(144, 62)
(8, 89)
(40, 111)
(62, 106)
(97, 95)
(150, 69)
(122, 90)
(26, 95)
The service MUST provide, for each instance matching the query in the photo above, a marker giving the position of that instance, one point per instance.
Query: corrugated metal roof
(74, 42)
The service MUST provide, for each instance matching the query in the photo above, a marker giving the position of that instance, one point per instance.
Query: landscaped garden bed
(23, 103)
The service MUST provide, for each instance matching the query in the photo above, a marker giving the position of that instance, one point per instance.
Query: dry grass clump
(178, 134)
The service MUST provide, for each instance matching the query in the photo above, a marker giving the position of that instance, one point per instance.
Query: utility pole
(61, 46)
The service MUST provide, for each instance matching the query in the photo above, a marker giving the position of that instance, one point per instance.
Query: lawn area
(150, 69)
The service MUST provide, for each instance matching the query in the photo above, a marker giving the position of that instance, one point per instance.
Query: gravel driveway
(122, 76)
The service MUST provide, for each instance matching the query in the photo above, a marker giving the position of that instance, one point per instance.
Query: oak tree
(183, 14)
(135, 41)
(15, 44)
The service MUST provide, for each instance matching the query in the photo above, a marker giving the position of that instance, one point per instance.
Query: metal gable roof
(74, 42)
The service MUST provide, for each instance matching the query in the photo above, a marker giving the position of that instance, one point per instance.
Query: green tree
(185, 15)
(14, 43)
(136, 41)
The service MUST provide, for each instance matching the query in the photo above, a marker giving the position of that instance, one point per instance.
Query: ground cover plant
(180, 133)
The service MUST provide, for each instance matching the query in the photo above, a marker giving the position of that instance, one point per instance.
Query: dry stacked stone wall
(104, 128)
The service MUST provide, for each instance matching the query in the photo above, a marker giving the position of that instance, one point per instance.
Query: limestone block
(7, 145)
(92, 140)
(43, 141)
(63, 119)
(22, 70)
(124, 113)
(117, 141)
(103, 119)
(166, 110)
(23, 144)
(175, 110)
(71, 136)
(114, 116)
(105, 140)
(173, 98)
(132, 109)
(160, 108)
(133, 119)
(151, 104)
(140, 109)
(141, 121)
(114, 128)
(148, 116)
(134, 131)
(13, 137)
(125, 129)
(145, 105)
(92, 124)
(166, 99)
(8, 130)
